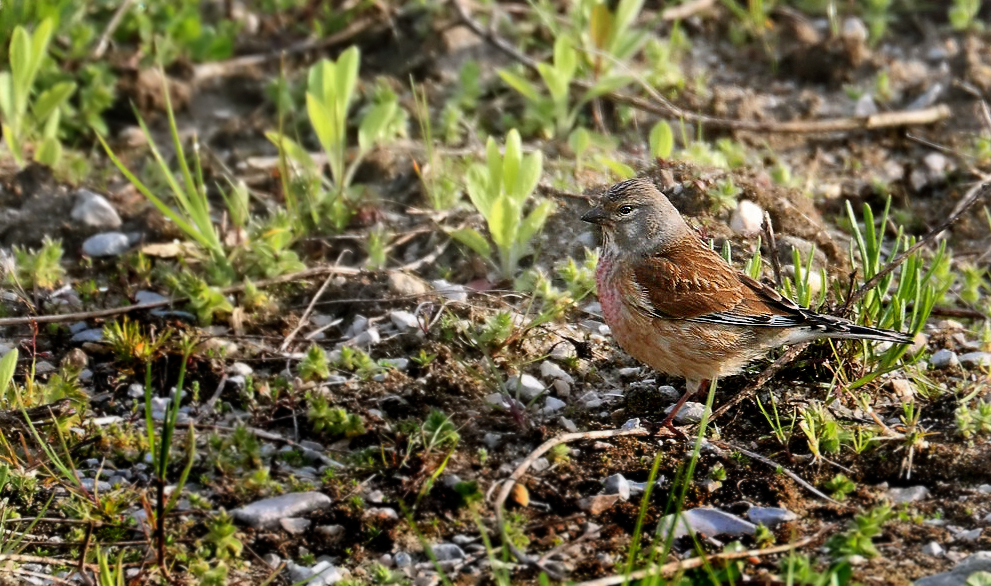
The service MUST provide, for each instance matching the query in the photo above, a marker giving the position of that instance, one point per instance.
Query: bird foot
(664, 428)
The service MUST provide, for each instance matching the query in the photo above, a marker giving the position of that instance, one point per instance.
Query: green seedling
(499, 190)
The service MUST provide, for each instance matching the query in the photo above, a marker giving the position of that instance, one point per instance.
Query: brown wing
(694, 283)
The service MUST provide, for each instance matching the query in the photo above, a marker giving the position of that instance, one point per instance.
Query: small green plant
(129, 343)
(38, 269)
(858, 540)
(22, 127)
(330, 92)
(782, 431)
(803, 285)
(723, 195)
(314, 365)
(335, 421)
(877, 15)
(222, 537)
(963, 15)
(206, 302)
(438, 432)
(974, 421)
(840, 486)
(799, 570)
(499, 191)
(661, 140)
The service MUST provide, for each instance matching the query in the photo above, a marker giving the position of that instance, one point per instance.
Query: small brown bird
(676, 305)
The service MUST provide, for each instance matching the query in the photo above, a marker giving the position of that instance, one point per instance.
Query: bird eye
(625, 210)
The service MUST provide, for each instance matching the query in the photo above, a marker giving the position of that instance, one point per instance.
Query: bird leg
(691, 387)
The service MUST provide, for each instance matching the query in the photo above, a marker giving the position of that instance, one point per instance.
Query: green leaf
(6, 95)
(504, 222)
(518, 83)
(534, 222)
(8, 364)
(626, 13)
(493, 159)
(319, 79)
(565, 57)
(471, 238)
(51, 99)
(600, 25)
(20, 64)
(511, 162)
(621, 170)
(374, 124)
(293, 150)
(555, 83)
(49, 151)
(479, 190)
(347, 77)
(607, 85)
(661, 140)
(529, 175)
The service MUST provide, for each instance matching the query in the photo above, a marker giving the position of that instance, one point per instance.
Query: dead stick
(304, 319)
(508, 484)
(769, 372)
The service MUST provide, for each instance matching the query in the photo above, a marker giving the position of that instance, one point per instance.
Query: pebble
(984, 489)
(550, 370)
(322, 574)
(562, 388)
(865, 106)
(450, 291)
(975, 359)
(909, 494)
(932, 548)
(568, 424)
(553, 405)
(240, 369)
(497, 400)
(106, 244)
(770, 516)
(331, 532)
(266, 513)
(403, 320)
(492, 440)
(402, 560)
(594, 505)
(445, 552)
(381, 514)
(93, 210)
(540, 464)
(691, 412)
(668, 392)
(944, 359)
(709, 521)
(400, 364)
(295, 525)
(527, 385)
(747, 218)
(977, 562)
(271, 560)
(94, 335)
(972, 535)
(617, 484)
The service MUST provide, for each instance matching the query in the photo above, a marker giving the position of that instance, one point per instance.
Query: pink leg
(691, 387)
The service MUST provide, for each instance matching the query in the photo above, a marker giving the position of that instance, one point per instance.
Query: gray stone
(381, 514)
(100, 486)
(240, 369)
(690, 412)
(271, 560)
(909, 494)
(550, 370)
(709, 521)
(322, 574)
(975, 359)
(540, 464)
(944, 359)
(403, 320)
(984, 489)
(94, 335)
(93, 210)
(402, 560)
(770, 516)
(450, 291)
(266, 513)
(978, 562)
(331, 533)
(142, 297)
(527, 385)
(492, 440)
(295, 525)
(932, 548)
(448, 551)
(972, 535)
(106, 244)
(617, 484)
(406, 285)
(568, 424)
(747, 218)
(553, 405)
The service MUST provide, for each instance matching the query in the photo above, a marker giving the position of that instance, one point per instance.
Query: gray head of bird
(636, 217)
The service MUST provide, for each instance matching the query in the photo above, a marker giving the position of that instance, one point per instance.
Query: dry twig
(776, 466)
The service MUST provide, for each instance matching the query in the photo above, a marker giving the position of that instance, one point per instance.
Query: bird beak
(596, 215)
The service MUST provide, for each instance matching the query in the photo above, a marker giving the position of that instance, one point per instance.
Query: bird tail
(834, 327)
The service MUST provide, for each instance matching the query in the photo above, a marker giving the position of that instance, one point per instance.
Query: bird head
(635, 216)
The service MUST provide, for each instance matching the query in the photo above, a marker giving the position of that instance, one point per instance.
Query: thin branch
(776, 466)
(790, 354)
(304, 319)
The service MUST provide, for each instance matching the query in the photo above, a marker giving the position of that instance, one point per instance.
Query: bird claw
(665, 428)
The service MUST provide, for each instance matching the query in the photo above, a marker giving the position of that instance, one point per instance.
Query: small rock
(553, 405)
(381, 514)
(93, 210)
(747, 218)
(932, 548)
(977, 562)
(527, 385)
(400, 364)
(972, 535)
(709, 521)
(631, 424)
(322, 574)
(550, 370)
(94, 335)
(540, 464)
(91, 484)
(562, 388)
(450, 291)
(295, 525)
(331, 533)
(690, 412)
(903, 389)
(240, 369)
(407, 285)
(271, 560)
(142, 297)
(944, 359)
(975, 359)
(617, 484)
(594, 505)
(909, 494)
(266, 513)
(668, 392)
(865, 106)
(984, 489)
(492, 440)
(770, 516)
(404, 320)
(463, 540)
(106, 244)
(568, 424)
(402, 560)
(448, 551)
